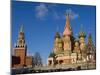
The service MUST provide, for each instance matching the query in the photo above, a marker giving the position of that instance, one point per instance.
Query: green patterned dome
(57, 35)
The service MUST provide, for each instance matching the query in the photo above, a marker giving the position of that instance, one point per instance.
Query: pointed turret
(67, 29)
(67, 35)
(90, 41)
(21, 38)
(21, 29)
(21, 48)
(90, 49)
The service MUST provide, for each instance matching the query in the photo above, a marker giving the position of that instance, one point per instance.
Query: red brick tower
(21, 49)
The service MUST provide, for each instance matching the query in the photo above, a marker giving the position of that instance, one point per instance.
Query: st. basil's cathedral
(69, 50)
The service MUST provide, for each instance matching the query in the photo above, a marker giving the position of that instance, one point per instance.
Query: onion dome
(57, 35)
(82, 33)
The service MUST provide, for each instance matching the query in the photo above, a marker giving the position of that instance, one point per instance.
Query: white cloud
(72, 14)
(41, 11)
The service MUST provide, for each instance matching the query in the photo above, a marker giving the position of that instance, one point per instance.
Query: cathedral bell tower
(67, 35)
(21, 48)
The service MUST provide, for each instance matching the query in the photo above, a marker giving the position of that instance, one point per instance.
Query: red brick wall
(21, 52)
(15, 60)
(29, 61)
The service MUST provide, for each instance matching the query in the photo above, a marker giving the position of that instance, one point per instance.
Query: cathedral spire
(67, 29)
(90, 41)
(21, 38)
(21, 28)
(67, 21)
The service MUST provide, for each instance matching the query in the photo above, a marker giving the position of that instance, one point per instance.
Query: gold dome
(82, 34)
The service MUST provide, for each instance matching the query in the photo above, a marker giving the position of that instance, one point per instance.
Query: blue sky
(42, 20)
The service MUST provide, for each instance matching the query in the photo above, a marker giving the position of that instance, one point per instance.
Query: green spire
(21, 28)
(90, 39)
(90, 45)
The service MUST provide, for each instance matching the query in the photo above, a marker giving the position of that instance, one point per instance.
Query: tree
(33, 64)
(37, 60)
